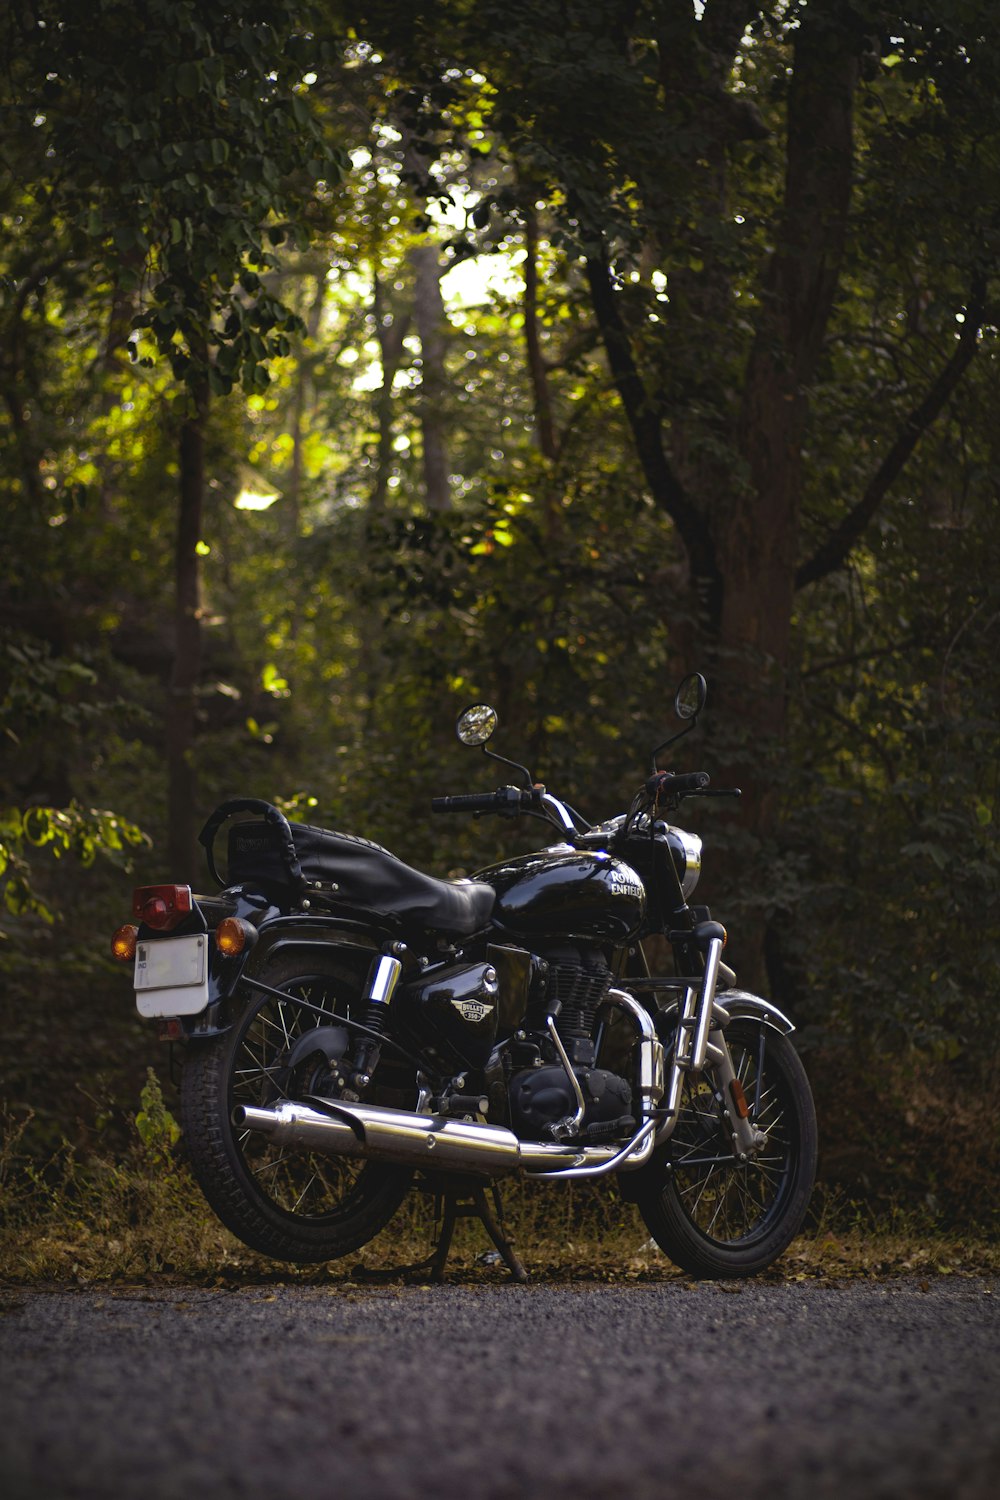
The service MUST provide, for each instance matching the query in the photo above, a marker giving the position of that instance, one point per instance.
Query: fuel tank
(566, 893)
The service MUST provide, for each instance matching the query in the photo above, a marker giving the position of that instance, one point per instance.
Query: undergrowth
(141, 1217)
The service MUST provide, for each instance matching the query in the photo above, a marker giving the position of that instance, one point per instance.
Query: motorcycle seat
(345, 870)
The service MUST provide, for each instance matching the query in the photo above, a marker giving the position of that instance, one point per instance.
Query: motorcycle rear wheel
(713, 1215)
(293, 1205)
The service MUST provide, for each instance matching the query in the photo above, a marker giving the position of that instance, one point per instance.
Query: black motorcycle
(349, 1022)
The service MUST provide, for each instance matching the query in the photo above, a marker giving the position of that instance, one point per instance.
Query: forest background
(358, 361)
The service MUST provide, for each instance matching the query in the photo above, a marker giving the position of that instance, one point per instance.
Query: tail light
(162, 906)
(123, 943)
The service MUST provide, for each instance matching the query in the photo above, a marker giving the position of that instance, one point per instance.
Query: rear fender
(278, 935)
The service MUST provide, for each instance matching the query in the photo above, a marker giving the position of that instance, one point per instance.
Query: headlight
(685, 849)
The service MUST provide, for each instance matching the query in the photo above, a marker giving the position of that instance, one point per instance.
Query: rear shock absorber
(382, 982)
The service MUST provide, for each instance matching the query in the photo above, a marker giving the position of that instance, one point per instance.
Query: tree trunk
(303, 393)
(391, 326)
(182, 810)
(429, 314)
(544, 424)
(758, 545)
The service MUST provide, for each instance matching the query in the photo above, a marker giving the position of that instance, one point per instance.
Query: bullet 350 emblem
(472, 1010)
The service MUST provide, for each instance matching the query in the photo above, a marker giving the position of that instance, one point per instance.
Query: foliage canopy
(553, 351)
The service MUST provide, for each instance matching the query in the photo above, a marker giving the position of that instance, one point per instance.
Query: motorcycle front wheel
(712, 1214)
(290, 1204)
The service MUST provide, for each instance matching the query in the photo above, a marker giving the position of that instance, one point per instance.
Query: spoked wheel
(289, 1203)
(712, 1214)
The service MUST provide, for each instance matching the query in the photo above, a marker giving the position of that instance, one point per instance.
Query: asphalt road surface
(498, 1392)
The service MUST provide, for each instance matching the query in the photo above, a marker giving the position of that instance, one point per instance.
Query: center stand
(456, 1197)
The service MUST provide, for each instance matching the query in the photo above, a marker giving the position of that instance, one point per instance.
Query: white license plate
(171, 976)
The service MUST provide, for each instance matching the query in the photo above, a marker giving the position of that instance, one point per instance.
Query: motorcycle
(351, 1024)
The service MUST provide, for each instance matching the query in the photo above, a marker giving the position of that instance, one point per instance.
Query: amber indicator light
(123, 943)
(233, 935)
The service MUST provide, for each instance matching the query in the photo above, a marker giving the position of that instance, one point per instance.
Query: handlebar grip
(667, 784)
(506, 799)
(689, 781)
(466, 802)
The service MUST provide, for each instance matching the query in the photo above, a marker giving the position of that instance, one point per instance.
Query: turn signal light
(161, 906)
(233, 935)
(123, 943)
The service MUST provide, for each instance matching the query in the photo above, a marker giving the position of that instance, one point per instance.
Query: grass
(141, 1218)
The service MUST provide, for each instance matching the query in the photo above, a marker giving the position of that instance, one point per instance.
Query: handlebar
(508, 801)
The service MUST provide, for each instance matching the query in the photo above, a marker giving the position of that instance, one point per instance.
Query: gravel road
(500, 1392)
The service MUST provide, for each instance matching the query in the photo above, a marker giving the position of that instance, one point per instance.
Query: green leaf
(188, 79)
(218, 383)
(37, 826)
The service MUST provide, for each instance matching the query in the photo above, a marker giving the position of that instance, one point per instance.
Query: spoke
(248, 1045)
(298, 1202)
(760, 1073)
(259, 1072)
(281, 1018)
(269, 1166)
(718, 1209)
(753, 1206)
(705, 1161)
(704, 1189)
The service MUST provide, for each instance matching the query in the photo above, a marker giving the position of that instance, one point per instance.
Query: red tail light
(161, 906)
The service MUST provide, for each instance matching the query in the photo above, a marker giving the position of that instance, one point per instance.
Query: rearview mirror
(689, 699)
(477, 724)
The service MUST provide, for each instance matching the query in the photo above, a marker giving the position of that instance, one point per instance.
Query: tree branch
(833, 552)
(646, 421)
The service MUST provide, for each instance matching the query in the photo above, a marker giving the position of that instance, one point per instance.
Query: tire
(294, 1205)
(713, 1215)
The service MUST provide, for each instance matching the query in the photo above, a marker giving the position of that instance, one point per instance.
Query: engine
(489, 1021)
(541, 1097)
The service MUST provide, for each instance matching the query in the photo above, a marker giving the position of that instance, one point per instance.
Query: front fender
(742, 1003)
(736, 1003)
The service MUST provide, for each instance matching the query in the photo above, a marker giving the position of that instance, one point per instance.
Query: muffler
(433, 1142)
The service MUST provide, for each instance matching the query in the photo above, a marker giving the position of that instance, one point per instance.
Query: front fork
(701, 1041)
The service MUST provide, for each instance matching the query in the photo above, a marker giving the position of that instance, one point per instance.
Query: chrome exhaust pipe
(339, 1129)
(430, 1141)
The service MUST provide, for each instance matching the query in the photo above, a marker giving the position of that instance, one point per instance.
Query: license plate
(171, 976)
